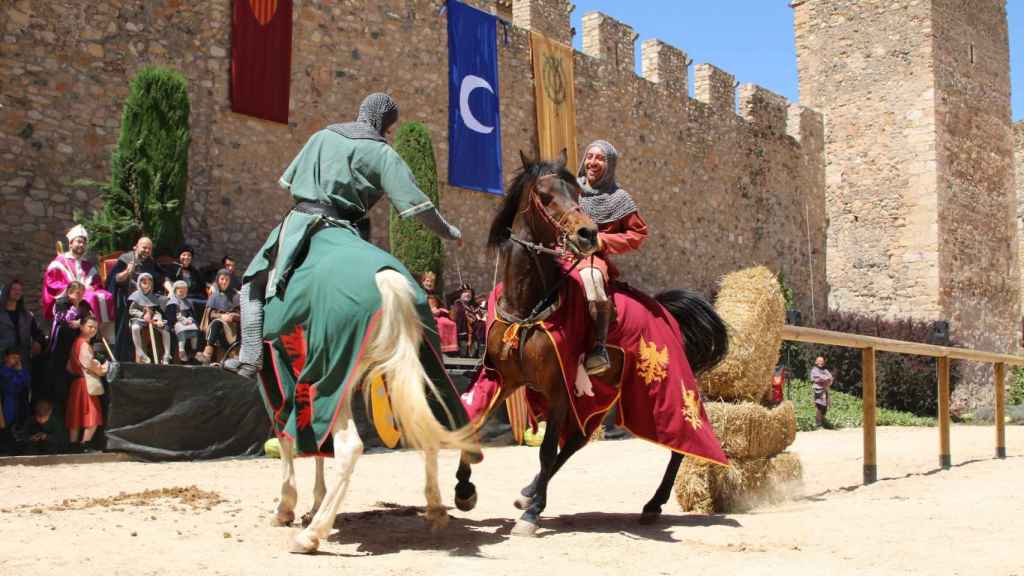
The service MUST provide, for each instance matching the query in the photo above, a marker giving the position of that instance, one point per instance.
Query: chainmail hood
(376, 114)
(604, 201)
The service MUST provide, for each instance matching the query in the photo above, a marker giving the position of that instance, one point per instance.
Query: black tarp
(184, 413)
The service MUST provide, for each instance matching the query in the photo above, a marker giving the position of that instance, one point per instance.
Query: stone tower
(919, 163)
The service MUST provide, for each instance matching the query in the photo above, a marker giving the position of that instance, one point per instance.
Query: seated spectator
(18, 327)
(14, 387)
(68, 312)
(468, 320)
(221, 321)
(84, 413)
(445, 326)
(144, 310)
(122, 282)
(182, 317)
(428, 280)
(185, 271)
(46, 433)
(228, 263)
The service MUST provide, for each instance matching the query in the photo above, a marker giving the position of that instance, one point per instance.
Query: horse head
(547, 196)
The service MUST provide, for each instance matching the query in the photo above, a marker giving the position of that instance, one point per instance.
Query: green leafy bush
(149, 167)
(903, 382)
(846, 411)
(415, 246)
(1016, 381)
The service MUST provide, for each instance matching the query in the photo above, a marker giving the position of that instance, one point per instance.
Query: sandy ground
(916, 520)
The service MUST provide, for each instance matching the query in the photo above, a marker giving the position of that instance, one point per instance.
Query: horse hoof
(438, 519)
(282, 519)
(524, 528)
(303, 543)
(523, 502)
(466, 504)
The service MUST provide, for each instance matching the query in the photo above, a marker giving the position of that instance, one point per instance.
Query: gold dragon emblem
(652, 364)
(691, 409)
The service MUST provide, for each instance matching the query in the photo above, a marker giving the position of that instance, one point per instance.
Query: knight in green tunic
(313, 281)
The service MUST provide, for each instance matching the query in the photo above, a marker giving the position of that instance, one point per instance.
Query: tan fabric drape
(554, 92)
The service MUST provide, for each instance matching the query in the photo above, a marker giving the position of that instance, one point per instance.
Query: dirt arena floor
(212, 518)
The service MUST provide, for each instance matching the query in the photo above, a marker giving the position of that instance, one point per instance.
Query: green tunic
(329, 290)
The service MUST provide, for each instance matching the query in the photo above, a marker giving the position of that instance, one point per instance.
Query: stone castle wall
(920, 177)
(1018, 156)
(721, 190)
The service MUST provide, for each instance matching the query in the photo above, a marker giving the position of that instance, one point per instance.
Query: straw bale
(707, 488)
(751, 304)
(749, 430)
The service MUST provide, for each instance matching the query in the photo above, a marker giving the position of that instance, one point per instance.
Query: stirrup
(597, 361)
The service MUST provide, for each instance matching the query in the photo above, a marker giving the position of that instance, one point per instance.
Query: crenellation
(664, 64)
(763, 108)
(547, 17)
(806, 126)
(609, 40)
(714, 87)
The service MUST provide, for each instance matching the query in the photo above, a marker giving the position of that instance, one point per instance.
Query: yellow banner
(554, 92)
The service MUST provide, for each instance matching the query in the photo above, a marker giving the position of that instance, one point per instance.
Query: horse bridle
(559, 251)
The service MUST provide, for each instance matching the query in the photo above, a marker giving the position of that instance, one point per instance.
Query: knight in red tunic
(620, 230)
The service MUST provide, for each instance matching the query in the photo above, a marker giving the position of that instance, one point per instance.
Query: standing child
(144, 309)
(182, 317)
(14, 385)
(84, 412)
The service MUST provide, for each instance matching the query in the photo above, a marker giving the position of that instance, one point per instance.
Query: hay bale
(707, 488)
(751, 304)
(747, 430)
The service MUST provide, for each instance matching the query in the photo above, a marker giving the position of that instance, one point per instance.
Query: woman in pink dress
(84, 413)
(445, 326)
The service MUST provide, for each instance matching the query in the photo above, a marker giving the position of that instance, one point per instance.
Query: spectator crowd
(133, 306)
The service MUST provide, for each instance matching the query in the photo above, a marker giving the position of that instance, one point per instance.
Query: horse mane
(502, 223)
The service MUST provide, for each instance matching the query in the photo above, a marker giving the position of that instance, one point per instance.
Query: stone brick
(714, 87)
(920, 178)
(718, 193)
(609, 40)
(664, 64)
(547, 17)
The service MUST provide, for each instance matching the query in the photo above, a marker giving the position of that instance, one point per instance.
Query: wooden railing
(870, 344)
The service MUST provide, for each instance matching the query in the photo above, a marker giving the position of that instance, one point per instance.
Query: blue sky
(752, 39)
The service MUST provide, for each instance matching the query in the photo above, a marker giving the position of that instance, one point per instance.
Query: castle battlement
(664, 64)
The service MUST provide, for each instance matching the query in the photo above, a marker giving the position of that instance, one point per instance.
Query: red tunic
(618, 237)
(83, 410)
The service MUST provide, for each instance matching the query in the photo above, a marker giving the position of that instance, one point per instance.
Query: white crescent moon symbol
(470, 83)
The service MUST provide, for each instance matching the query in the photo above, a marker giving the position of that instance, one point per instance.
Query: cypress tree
(415, 246)
(149, 167)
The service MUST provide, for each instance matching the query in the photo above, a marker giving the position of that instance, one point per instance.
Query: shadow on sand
(392, 528)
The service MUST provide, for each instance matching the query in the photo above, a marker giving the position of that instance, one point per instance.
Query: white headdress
(77, 231)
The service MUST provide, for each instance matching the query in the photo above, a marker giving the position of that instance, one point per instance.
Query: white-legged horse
(393, 353)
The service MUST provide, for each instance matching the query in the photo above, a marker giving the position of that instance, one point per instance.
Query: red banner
(261, 58)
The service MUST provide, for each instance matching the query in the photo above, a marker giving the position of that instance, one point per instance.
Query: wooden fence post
(1000, 410)
(944, 458)
(868, 374)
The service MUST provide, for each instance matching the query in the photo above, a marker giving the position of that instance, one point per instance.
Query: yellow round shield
(383, 418)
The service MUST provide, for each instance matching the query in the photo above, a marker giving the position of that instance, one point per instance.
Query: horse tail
(393, 353)
(705, 336)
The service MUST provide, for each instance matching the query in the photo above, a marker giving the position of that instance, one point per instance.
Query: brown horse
(540, 219)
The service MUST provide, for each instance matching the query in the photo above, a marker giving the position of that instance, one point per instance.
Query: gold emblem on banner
(554, 79)
(263, 10)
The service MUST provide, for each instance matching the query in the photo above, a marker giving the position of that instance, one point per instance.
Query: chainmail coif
(376, 113)
(604, 201)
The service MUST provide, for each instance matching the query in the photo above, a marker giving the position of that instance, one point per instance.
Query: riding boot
(597, 361)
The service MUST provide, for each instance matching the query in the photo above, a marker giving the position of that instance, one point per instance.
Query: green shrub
(903, 382)
(415, 246)
(1016, 393)
(149, 167)
(846, 411)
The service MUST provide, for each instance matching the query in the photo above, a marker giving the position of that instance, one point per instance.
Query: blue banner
(474, 128)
